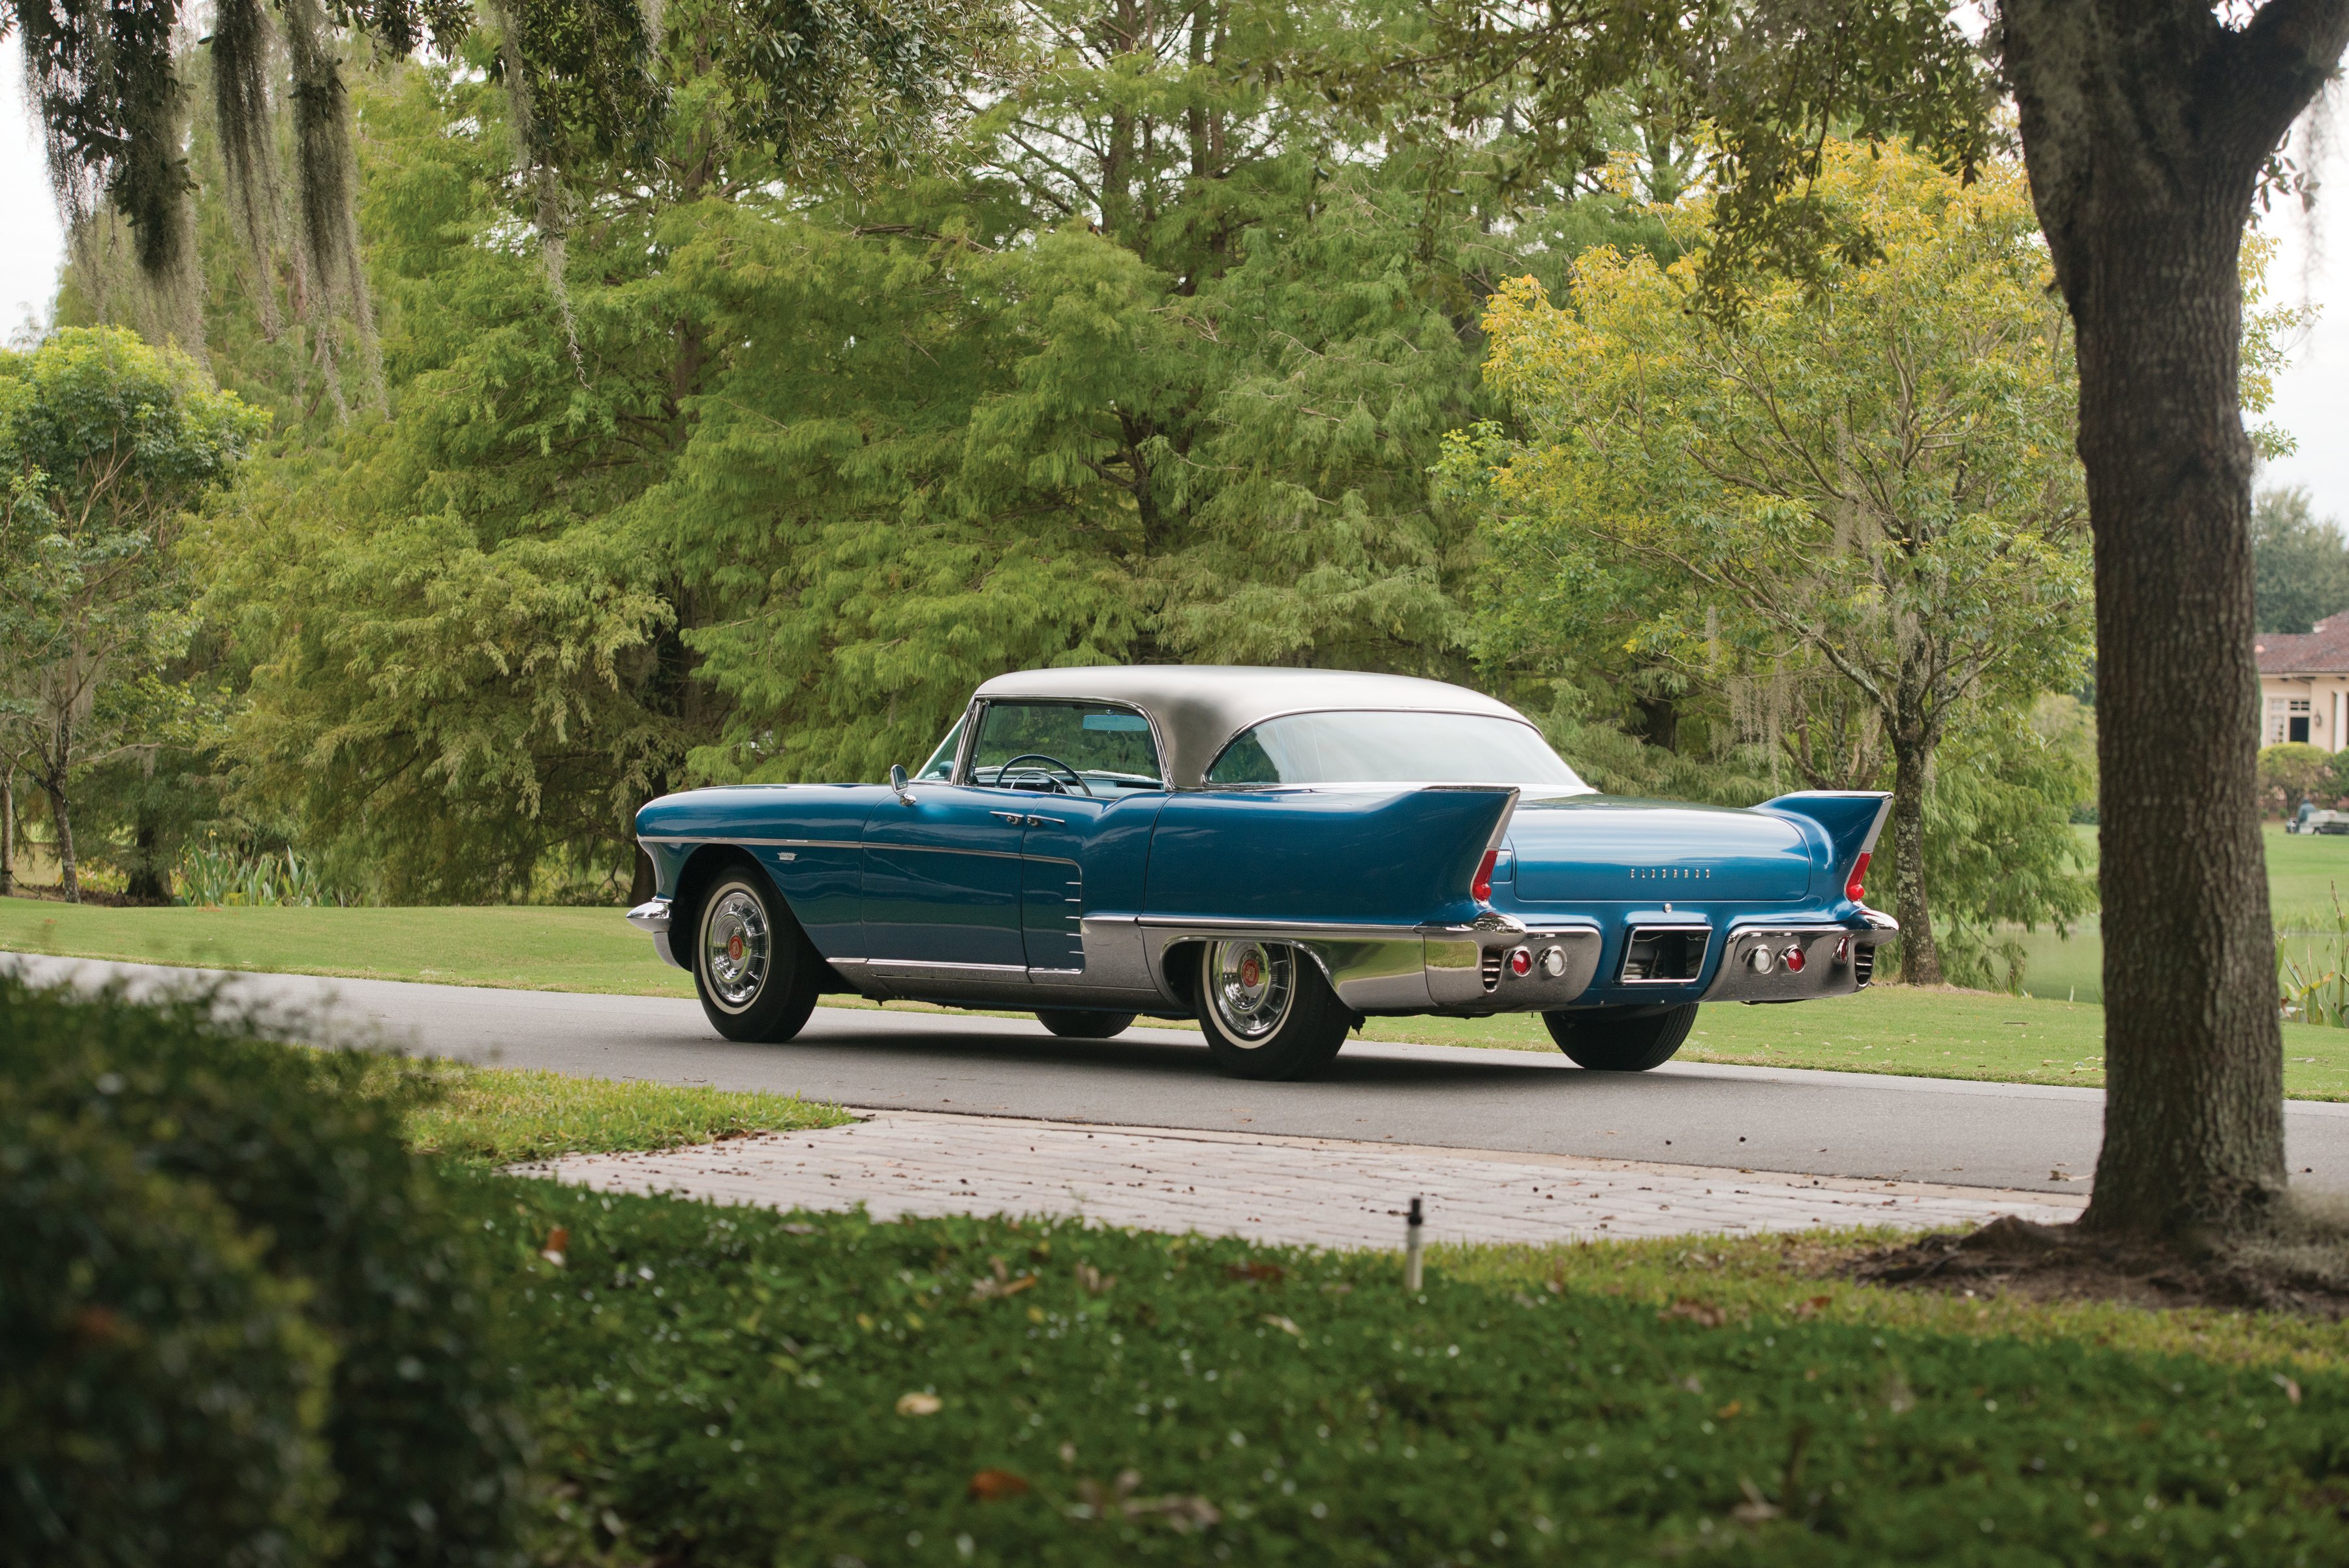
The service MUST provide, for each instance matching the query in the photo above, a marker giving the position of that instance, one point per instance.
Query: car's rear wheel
(1621, 1039)
(1081, 1023)
(754, 969)
(1265, 1010)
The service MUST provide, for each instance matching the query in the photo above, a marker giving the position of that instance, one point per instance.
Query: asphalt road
(1819, 1124)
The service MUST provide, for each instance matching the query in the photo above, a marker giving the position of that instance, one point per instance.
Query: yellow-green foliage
(1854, 508)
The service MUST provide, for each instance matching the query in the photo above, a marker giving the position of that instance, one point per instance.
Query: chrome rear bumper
(1835, 961)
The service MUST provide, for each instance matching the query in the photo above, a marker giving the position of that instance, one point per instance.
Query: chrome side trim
(900, 966)
(745, 842)
(939, 850)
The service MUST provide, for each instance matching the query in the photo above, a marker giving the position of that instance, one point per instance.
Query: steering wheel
(1074, 777)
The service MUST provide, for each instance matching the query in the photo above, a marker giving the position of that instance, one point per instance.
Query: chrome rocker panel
(1373, 969)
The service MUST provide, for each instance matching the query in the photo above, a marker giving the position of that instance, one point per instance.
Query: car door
(943, 883)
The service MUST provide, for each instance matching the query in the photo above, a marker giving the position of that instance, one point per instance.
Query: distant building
(2304, 685)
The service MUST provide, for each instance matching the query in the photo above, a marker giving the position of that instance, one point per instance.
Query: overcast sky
(2312, 267)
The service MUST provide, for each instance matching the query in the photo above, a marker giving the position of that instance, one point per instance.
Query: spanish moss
(326, 174)
(241, 118)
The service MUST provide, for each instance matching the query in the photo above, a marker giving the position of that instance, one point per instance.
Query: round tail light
(1758, 961)
(1856, 889)
(1553, 962)
(1481, 887)
(1521, 961)
(1794, 960)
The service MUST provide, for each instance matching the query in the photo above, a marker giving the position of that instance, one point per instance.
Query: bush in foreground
(191, 1175)
(160, 1392)
(726, 1386)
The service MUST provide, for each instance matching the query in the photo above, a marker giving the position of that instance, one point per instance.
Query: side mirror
(901, 783)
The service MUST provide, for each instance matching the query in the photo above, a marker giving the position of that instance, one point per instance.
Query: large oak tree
(2147, 128)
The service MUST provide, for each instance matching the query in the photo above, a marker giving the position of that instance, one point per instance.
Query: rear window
(1394, 748)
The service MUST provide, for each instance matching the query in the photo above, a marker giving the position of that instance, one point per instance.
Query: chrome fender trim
(1367, 966)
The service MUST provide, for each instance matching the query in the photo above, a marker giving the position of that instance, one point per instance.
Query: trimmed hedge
(727, 1385)
(160, 1392)
(283, 1172)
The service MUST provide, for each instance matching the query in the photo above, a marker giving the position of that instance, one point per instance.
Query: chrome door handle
(1013, 818)
(1046, 822)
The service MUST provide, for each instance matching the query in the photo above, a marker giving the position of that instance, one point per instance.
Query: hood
(1603, 848)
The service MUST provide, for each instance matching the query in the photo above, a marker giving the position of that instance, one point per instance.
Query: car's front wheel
(1621, 1039)
(753, 967)
(1081, 1023)
(1265, 1010)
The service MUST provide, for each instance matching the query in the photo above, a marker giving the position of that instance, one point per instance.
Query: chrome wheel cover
(1251, 986)
(736, 947)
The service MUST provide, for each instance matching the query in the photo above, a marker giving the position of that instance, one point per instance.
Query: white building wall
(2318, 705)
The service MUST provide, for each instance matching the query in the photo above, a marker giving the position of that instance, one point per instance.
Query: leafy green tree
(584, 79)
(107, 445)
(1151, 365)
(2000, 848)
(1865, 480)
(2299, 562)
(2295, 771)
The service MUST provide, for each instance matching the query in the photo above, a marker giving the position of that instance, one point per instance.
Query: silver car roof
(1196, 709)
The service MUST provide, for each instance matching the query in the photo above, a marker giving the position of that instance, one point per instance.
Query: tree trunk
(1921, 961)
(2194, 1061)
(2145, 126)
(147, 883)
(1659, 721)
(642, 883)
(61, 819)
(8, 830)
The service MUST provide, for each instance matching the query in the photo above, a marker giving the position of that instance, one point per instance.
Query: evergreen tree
(2299, 562)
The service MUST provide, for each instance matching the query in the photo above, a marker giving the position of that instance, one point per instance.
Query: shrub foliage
(725, 1386)
(229, 1175)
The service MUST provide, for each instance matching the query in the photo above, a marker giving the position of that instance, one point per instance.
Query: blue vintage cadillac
(1278, 853)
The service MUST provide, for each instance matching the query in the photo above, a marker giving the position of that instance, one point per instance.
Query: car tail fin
(1850, 818)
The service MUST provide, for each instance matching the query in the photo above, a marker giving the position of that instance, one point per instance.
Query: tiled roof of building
(2324, 651)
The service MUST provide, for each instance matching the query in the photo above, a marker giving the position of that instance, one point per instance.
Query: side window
(1108, 748)
(1244, 762)
(941, 763)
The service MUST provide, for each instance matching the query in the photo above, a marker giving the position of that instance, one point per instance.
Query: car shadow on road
(1362, 1065)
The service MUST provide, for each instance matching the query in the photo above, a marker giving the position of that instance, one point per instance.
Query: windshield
(1394, 748)
(1065, 748)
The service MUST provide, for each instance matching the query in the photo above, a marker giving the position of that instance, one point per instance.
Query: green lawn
(527, 948)
(2303, 870)
(727, 1387)
(501, 1115)
(1886, 1029)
